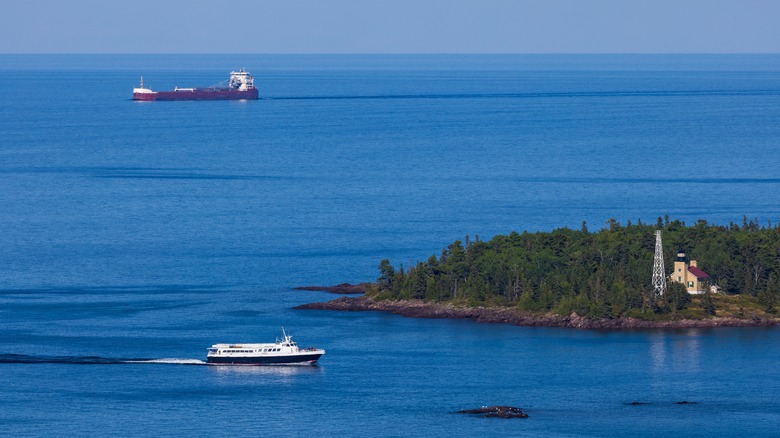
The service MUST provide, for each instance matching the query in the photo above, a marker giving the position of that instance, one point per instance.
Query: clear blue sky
(390, 26)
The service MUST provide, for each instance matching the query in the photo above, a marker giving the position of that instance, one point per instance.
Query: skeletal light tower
(659, 275)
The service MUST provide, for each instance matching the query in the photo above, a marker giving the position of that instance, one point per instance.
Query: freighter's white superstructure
(283, 351)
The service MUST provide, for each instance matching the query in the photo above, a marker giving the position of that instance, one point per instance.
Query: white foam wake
(171, 361)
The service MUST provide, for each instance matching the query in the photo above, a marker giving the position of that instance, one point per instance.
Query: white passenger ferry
(283, 351)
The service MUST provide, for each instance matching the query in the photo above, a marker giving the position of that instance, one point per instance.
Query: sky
(390, 26)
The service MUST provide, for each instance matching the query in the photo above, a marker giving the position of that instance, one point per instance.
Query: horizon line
(400, 53)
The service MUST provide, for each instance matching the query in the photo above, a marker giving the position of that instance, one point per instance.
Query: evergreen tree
(386, 274)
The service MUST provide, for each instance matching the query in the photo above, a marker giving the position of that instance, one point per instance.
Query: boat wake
(170, 361)
(537, 95)
(93, 360)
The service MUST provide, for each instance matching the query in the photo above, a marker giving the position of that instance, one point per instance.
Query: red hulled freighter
(240, 86)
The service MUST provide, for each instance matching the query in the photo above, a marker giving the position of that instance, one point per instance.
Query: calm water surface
(135, 235)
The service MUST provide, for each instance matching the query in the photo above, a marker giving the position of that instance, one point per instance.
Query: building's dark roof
(698, 272)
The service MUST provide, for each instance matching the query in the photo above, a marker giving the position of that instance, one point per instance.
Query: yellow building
(688, 273)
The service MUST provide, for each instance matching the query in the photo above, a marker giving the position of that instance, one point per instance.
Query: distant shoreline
(506, 315)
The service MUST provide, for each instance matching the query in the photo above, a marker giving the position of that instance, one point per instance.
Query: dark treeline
(599, 274)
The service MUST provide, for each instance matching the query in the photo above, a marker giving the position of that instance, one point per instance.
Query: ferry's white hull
(303, 358)
(281, 352)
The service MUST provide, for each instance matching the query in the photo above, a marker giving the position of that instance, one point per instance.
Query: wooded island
(596, 275)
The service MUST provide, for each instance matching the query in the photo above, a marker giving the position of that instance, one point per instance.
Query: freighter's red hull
(198, 94)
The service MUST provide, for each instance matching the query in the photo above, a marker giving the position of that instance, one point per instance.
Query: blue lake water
(145, 232)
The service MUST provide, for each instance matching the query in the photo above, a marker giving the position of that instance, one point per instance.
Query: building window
(690, 284)
(679, 279)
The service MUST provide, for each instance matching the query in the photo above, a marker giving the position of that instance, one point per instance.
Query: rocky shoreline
(422, 309)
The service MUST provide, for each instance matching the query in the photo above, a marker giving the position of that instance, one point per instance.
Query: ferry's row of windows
(252, 351)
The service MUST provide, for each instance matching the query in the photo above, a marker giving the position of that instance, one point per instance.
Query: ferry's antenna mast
(659, 273)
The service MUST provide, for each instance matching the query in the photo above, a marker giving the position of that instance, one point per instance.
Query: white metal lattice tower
(659, 273)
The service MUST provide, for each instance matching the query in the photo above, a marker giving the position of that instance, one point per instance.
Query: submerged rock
(496, 412)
